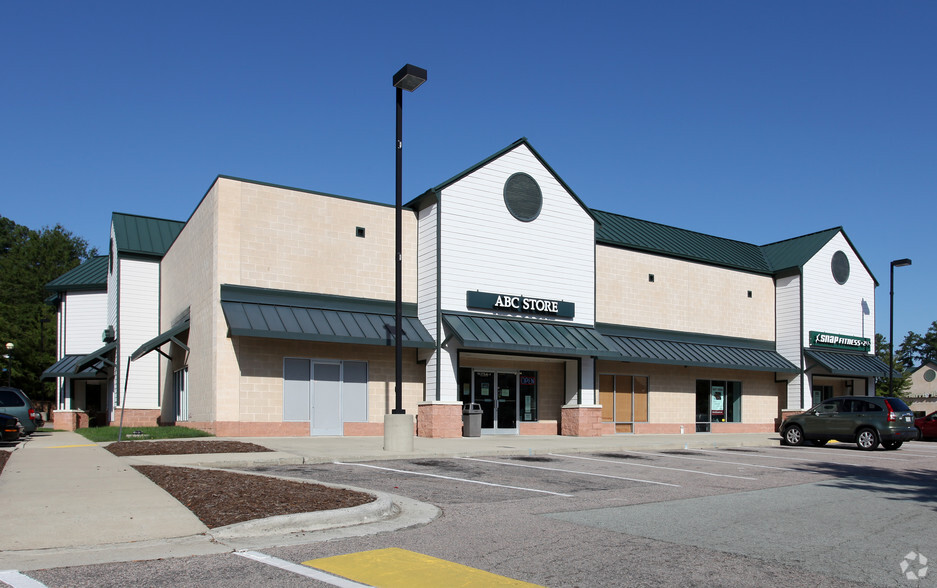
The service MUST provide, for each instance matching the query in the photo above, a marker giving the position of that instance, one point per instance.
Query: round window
(929, 375)
(840, 267)
(522, 197)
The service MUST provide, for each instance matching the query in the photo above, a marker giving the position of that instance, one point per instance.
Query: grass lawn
(104, 434)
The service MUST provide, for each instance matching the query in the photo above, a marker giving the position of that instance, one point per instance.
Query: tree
(29, 260)
(917, 349)
(902, 380)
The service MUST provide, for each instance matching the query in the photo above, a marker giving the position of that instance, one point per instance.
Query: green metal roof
(497, 334)
(797, 251)
(142, 235)
(67, 367)
(843, 363)
(671, 348)
(90, 275)
(630, 232)
(280, 314)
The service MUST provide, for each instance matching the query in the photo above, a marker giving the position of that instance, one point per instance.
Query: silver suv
(14, 402)
(863, 420)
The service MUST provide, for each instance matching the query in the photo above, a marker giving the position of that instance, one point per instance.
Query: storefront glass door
(496, 394)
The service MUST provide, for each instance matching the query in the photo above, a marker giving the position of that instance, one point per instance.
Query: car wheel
(794, 435)
(867, 439)
(891, 444)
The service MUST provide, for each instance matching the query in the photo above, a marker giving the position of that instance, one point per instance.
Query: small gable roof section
(796, 252)
(632, 233)
(90, 275)
(432, 194)
(143, 235)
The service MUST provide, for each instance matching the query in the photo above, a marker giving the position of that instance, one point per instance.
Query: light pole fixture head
(901, 262)
(9, 347)
(409, 78)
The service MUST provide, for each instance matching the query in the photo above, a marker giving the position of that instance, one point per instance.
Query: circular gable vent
(840, 267)
(523, 197)
(929, 375)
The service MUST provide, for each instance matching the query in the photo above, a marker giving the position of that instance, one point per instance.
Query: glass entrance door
(496, 394)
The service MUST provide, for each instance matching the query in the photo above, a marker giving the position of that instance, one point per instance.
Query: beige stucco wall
(672, 396)
(684, 296)
(187, 281)
(272, 237)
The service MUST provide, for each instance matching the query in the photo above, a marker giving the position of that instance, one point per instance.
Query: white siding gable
(139, 322)
(85, 318)
(838, 308)
(485, 248)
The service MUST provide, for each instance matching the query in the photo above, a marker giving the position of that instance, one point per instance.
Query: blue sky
(756, 121)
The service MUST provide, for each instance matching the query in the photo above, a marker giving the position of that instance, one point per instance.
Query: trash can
(472, 420)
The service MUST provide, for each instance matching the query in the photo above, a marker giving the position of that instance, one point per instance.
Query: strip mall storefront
(276, 309)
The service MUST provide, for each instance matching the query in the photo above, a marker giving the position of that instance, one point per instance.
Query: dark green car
(863, 420)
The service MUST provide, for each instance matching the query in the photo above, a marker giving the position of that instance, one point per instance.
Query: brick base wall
(581, 421)
(69, 420)
(136, 417)
(539, 428)
(441, 421)
(364, 429)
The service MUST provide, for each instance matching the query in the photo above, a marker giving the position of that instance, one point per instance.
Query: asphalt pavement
(72, 502)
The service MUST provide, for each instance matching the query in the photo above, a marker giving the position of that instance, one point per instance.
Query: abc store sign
(519, 304)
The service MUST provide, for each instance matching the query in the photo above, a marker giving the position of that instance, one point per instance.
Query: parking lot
(765, 516)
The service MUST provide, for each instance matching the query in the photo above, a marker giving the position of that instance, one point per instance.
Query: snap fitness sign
(832, 340)
(519, 304)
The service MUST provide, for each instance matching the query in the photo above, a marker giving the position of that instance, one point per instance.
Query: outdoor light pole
(409, 78)
(891, 318)
(9, 357)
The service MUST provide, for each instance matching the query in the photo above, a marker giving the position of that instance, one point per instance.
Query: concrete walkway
(72, 502)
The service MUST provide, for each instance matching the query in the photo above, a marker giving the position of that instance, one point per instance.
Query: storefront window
(624, 401)
(528, 385)
(717, 401)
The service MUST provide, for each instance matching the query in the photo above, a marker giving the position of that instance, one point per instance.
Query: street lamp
(9, 357)
(409, 78)
(891, 318)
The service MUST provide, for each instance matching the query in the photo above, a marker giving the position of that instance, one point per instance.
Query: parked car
(863, 420)
(14, 402)
(10, 427)
(927, 425)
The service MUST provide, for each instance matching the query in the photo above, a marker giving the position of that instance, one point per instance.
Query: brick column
(581, 420)
(439, 420)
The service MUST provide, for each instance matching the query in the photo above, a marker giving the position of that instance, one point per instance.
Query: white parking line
(18, 580)
(364, 465)
(831, 454)
(668, 455)
(300, 569)
(645, 465)
(533, 467)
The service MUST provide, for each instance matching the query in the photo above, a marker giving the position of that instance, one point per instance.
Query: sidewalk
(72, 502)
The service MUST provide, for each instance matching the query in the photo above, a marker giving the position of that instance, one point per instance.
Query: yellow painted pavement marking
(393, 567)
(70, 446)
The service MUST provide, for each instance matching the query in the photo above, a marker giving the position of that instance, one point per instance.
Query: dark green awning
(101, 356)
(843, 363)
(647, 346)
(67, 367)
(277, 314)
(497, 334)
(162, 338)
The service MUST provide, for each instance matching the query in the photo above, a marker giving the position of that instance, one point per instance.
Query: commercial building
(275, 315)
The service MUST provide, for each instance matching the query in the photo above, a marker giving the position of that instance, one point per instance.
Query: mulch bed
(220, 498)
(125, 448)
(4, 456)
